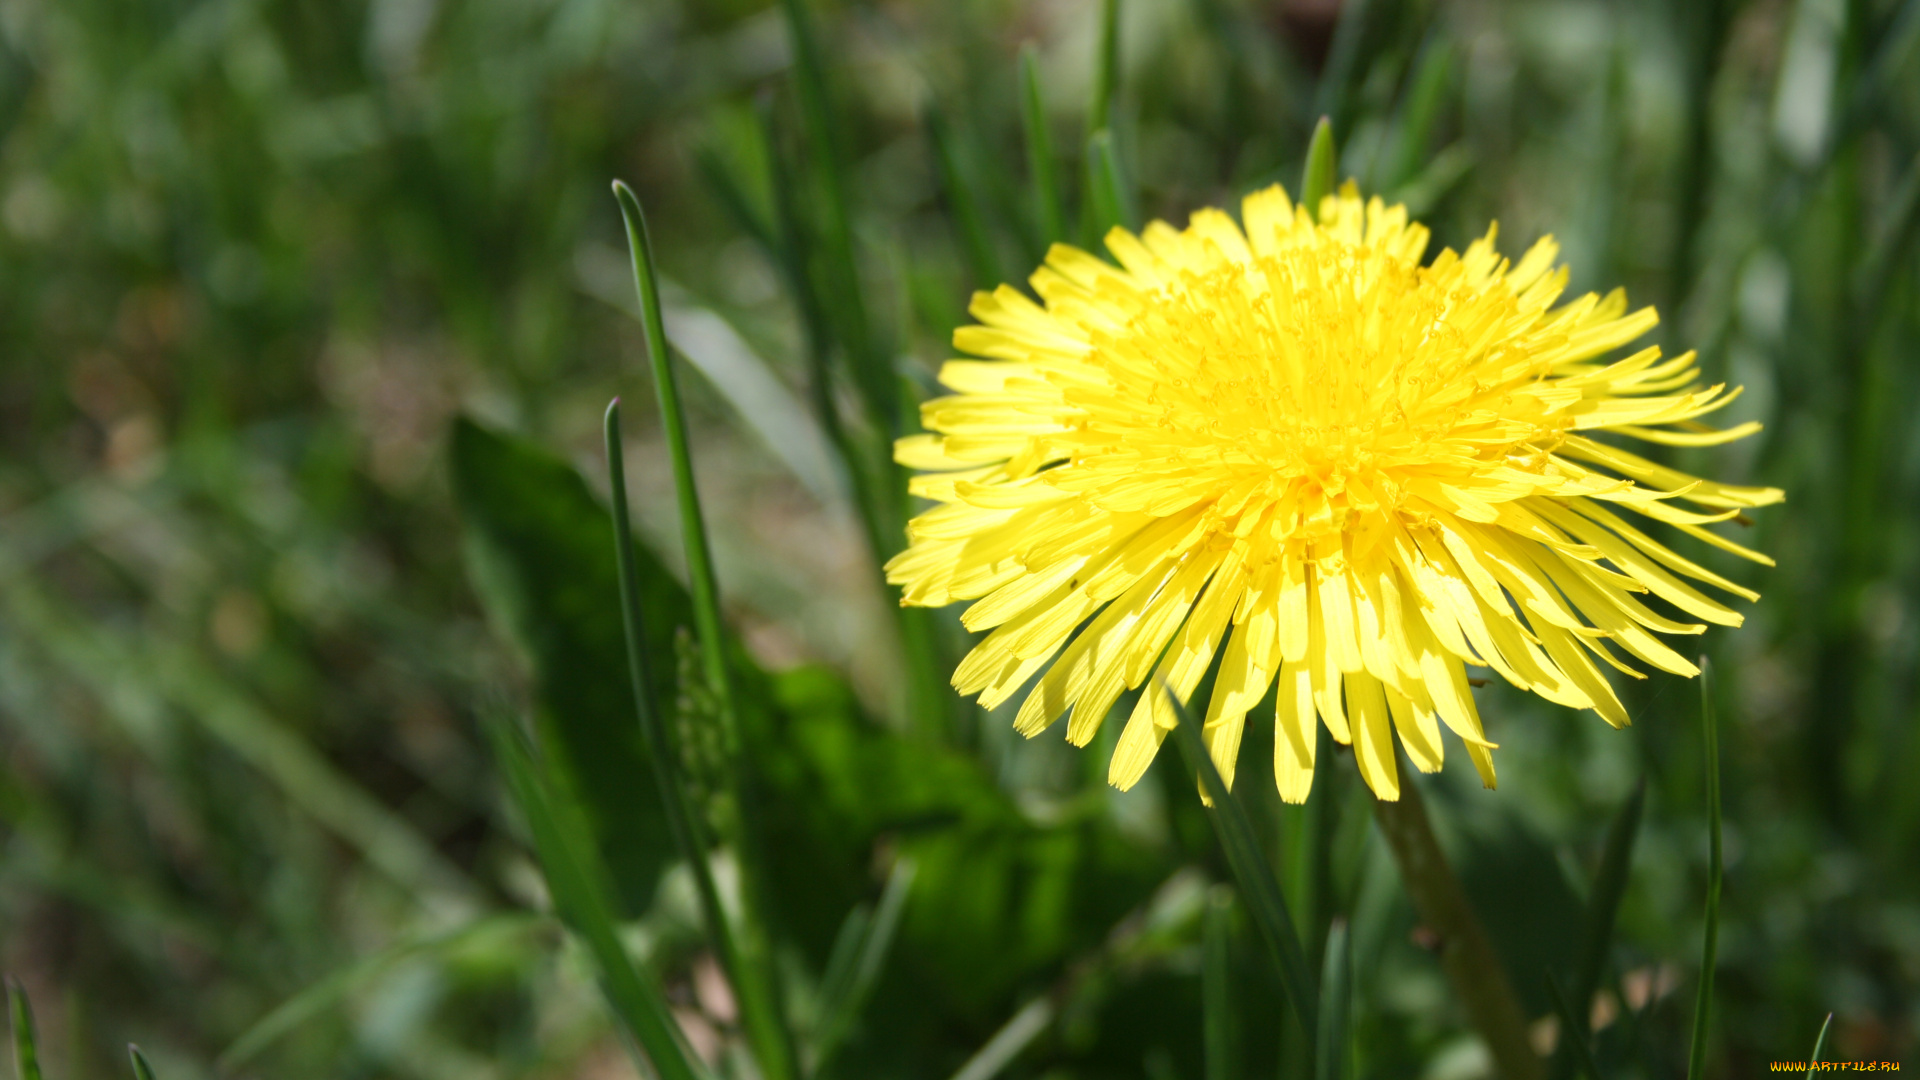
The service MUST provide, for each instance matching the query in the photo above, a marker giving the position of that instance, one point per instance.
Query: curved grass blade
(1575, 1031)
(1042, 172)
(580, 897)
(1106, 69)
(335, 987)
(1703, 1002)
(1819, 1046)
(1602, 907)
(850, 982)
(759, 1006)
(872, 368)
(1216, 984)
(1336, 1005)
(1250, 869)
(26, 1057)
(1111, 205)
(1014, 1036)
(141, 1070)
(1316, 179)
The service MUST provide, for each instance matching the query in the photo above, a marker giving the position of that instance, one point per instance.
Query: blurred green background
(259, 582)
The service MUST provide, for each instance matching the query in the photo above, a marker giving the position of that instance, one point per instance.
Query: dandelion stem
(1466, 954)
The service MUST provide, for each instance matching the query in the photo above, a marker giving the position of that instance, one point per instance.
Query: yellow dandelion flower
(1346, 471)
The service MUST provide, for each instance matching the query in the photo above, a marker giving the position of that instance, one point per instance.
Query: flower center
(1323, 383)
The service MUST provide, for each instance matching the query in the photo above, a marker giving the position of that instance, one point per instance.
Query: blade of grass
(141, 1070)
(1111, 206)
(1316, 179)
(1250, 869)
(1609, 885)
(1819, 1046)
(1106, 69)
(1574, 1032)
(1042, 171)
(1014, 1036)
(850, 983)
(765, 1028)
(872, 369)
(1466, 953)
(1703, 1002)
(1336, 1005)
(575, 881)
(1101, 208)
(26, 1058)
(1432, 78)
(1343, 56)
(1216, 983)
(982, 260)
(333, 988)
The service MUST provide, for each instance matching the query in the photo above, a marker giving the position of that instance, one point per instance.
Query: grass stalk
(1042, 171)
(1819, 1046)
(1330, 1048)
(1703, 1000)
(1573, 1028)
(1216, 984)
(1610, 884)
(26, 1056)
(576, 881)
(141, 1070)
(1466, 954)
(1251, 869)
(742, 954)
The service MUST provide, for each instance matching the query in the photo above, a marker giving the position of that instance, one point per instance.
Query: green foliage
(257, 258)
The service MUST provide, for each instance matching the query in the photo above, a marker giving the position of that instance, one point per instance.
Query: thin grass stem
(1251, 869)
(1703, 1001)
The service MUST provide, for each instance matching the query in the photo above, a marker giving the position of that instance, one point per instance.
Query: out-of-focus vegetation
(262, 587)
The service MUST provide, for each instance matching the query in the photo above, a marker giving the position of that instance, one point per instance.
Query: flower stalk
(1466, 954)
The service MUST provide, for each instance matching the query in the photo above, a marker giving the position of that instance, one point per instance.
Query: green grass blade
(1216, 983)
(1819, 1046)
(759, 1007)
(26, 1058)
(1420, 113)
(864, 961)
(872, 368)
(1336, 1005)
(1602, 906)
(1573, 1031)
(1343, 58)
(1042, 169)
(141, 1070)
(1106, 69)
(332, 989)
(1316, 180)
(1014, 1036)
(1110, 206)
(1703, 1002)
(964, 202)
(580, 897)
(706, 592)
(1251, 870)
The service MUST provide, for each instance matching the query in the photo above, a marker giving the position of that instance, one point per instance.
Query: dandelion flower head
(1342, 470)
